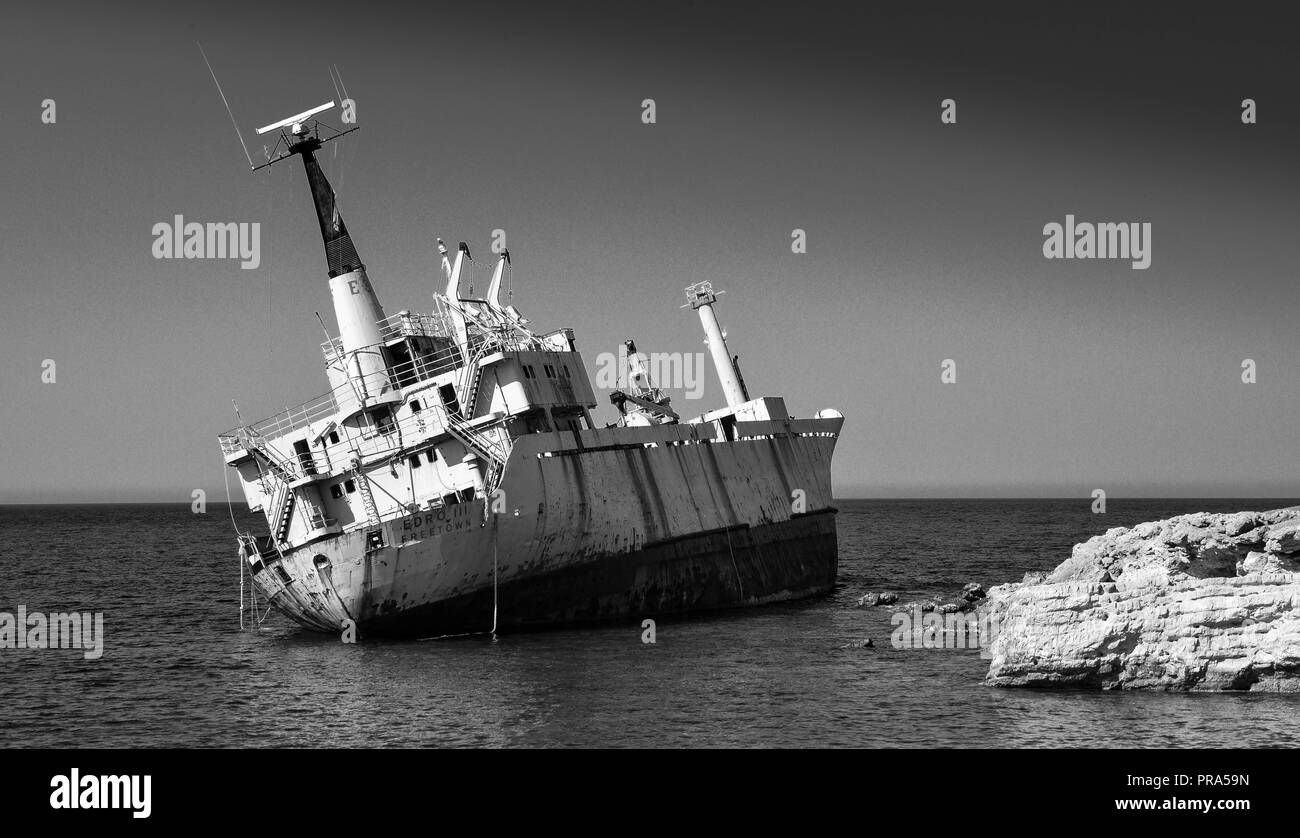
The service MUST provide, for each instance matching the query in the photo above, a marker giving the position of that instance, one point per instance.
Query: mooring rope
(230, 507)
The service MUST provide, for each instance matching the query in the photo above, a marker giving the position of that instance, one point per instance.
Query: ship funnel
(701, 297)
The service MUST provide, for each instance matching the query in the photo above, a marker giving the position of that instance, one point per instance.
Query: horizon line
(1079, 498)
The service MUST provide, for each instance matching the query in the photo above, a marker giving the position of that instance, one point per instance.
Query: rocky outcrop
(884, 598)
(1197, 602)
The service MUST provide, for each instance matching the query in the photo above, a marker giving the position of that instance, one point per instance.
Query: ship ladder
(367, 498)
(470, 380)
(478, 443)
(277, 464)
(283, 511)
(471, 392)
(484, 447)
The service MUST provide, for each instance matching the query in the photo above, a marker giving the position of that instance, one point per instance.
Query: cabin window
(431, 455)
(467, 495)
(305, 459)
(729, 428)
(550, 370)
(336, 491)
(415, 461)
(334, 437)
(374, 539)
(448, 500)
(350, 485)
(283, 574)
(415, 405)
(383, 419)
(449, 400)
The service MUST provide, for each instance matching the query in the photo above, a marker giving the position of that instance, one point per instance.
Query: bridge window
(529, 372)
(566, 371)
(415, 461)
(415, 405)
(336, 491)
(550, 370)
(334, 437)
(350, 485)
(431, 455)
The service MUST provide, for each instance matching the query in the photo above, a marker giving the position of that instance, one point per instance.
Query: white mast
(701, 298)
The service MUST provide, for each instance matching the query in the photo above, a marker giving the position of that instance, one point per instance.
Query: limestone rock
(1284, 540)
(1197, 602)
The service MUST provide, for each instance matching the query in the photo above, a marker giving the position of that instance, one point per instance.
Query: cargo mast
(701, 298)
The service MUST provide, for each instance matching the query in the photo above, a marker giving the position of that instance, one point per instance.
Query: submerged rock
(882, 598)
(1197, 602)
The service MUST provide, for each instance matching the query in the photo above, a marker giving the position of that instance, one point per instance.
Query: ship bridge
(459, 384)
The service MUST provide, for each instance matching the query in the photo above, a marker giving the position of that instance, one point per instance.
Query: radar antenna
(300, 132)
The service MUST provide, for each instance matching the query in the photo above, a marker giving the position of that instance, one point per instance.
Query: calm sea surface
(177, 670)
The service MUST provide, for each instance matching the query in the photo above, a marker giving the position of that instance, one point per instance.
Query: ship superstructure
(452, 480)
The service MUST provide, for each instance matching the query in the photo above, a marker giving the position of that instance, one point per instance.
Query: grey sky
(924, 240)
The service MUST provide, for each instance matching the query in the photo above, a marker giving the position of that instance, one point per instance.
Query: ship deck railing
(400, 325)
(285, 422)
(323, 406)
(485, 333)
(264, 433)
(481, 326)
(380, 448)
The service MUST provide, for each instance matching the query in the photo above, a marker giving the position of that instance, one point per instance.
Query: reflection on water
(177, 670)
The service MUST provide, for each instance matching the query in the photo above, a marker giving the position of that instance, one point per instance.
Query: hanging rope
(494, 571)
(230, 507)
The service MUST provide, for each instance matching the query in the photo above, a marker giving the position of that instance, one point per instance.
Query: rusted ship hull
(617, 523)
(729, 568)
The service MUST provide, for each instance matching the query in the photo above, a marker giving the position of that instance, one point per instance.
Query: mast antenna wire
(238, 133)
(339, 76)
(338, 93)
